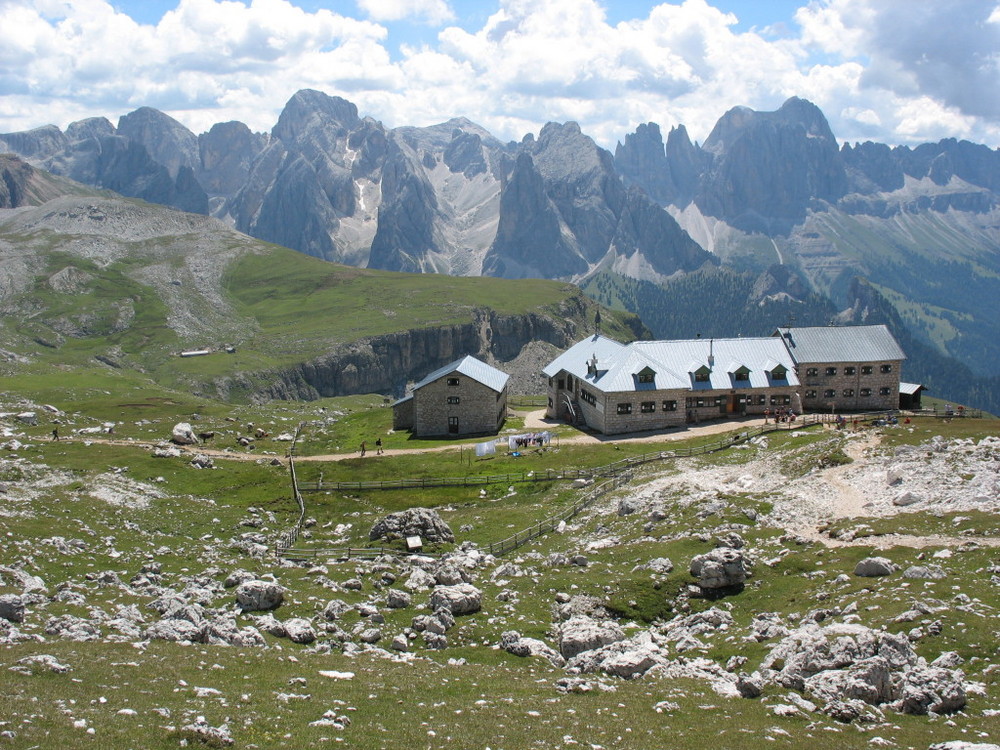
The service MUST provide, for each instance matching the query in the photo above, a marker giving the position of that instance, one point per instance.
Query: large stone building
(648, 385)
(846, 368)
(466, 397)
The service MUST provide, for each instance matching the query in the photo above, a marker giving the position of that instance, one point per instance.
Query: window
(810, 394)
(669, 406)
(848, 393)
(829, 393)
(831, 371)
(647, 407)
(452, 381)
(779, 373)
(850, 370)
(624, 408)
(646, 376)
(453, 399)
(885, 391)
(885, 368)
(694, 402)
(702, 376)
(812, 372)
(587, 396)
(780, 400)
(866, 369)
(742, 374)
(562, 384)
(865, 392)
(761, 400)
(550, 402)
(569, 382)
(453, 424)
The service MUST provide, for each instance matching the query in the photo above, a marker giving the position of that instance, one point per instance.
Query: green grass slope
(123, 286)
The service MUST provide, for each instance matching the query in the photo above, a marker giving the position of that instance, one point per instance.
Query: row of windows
(647, 407)
(849, 392)
(741, 375)
(812, 372)
(587, 396)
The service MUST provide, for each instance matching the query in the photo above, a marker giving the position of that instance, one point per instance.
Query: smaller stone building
(466, 397)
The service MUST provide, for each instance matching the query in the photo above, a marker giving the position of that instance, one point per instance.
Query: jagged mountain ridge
(764, 188)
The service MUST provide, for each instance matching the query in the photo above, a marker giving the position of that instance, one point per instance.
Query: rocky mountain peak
(308, 109)
(767, 167)
(92, 127)
(167, 141)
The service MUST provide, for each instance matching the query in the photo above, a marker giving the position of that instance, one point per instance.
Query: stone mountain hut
(466, 397)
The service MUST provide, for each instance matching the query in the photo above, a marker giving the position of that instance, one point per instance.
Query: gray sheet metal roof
(574, 360)
(471, 367)
(841, 344)
(675, 363)
(911, 389)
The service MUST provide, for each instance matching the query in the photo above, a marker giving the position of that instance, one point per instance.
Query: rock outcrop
(423, 522)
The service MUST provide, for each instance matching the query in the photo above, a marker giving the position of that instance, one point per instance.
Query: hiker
(55, 434)
(364, 447)
(378, 447)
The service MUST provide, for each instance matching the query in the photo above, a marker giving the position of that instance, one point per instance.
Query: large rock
(582, 633)
(182, 434)
(422, 522)
(514, 643)
(809, 650)
(931, 689)
(721, 568)
(299, 630)
(872, 567)
(255, 596)
(12, 607)
(462, 599)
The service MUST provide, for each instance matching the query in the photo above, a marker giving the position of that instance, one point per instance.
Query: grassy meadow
(89, 513)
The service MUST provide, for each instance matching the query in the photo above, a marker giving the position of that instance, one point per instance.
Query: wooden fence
(617, 473)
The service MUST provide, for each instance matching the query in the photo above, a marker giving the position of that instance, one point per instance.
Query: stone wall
(477, 409)
(849, 388)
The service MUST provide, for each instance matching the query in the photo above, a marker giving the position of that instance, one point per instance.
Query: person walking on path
(378, 446)
(55, 434)
(363, 448)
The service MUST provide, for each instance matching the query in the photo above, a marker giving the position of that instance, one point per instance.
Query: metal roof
(574, 360)
(471, 367)
(676, 362)
(841, 344)
(911, 389)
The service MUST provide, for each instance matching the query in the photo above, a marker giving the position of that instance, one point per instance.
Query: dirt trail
(534, 422)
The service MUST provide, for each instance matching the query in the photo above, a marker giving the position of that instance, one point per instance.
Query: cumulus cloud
(434, 12)
(879, 69)
(944, 53)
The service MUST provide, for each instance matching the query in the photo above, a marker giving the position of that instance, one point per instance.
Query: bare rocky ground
(871, 638)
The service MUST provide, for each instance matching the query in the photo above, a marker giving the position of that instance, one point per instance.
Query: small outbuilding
(465, 397)
(909, 396)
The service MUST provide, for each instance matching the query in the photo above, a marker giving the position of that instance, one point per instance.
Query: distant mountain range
(768, 195)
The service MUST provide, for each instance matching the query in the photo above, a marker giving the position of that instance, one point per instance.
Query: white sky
(896, 71)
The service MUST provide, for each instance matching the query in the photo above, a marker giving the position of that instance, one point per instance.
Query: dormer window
(742, 374)
(779, 373)
(702, 374)
(646, 375)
